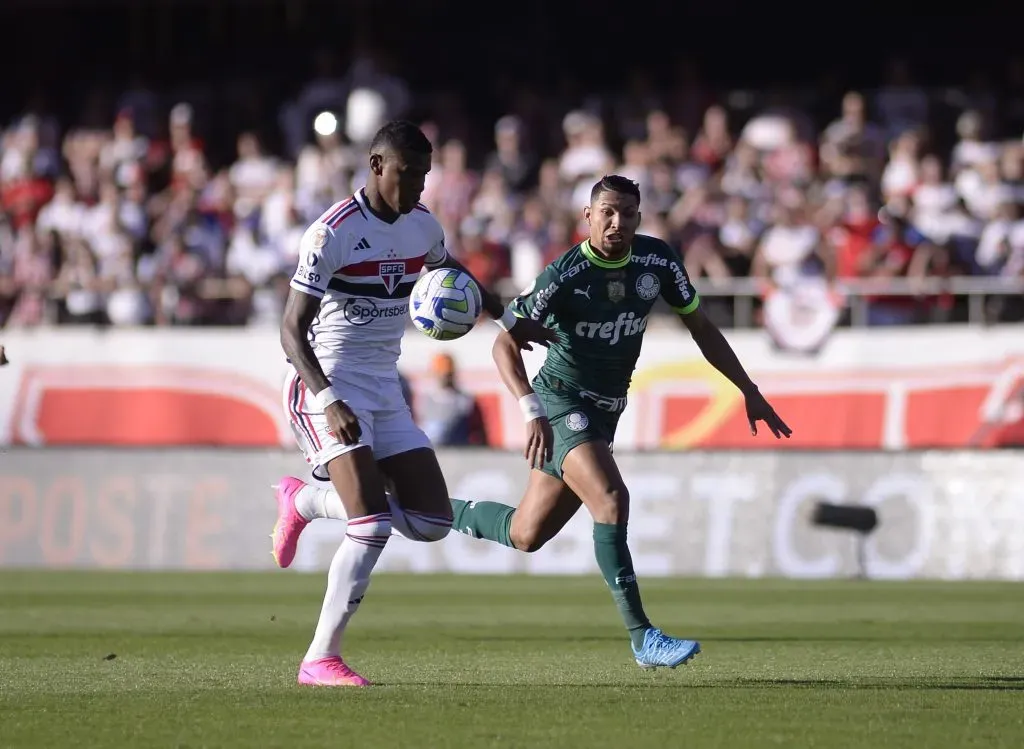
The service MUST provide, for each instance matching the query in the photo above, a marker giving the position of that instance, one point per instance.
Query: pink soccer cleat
(329, 672)
(289, 522)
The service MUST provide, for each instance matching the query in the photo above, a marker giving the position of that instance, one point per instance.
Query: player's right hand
(343, 423)
(526, 331)
(540, 441)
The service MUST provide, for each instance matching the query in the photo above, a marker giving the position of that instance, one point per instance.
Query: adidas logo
(363, 245)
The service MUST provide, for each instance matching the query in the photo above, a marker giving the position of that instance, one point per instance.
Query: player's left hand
(758, 409)
(540, 441)
(527, 331)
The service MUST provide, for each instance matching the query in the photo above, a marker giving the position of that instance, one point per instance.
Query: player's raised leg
(590, 471)
(357, 479)
(418, 496)
(418, 489)
(545, 508)
(300, 503)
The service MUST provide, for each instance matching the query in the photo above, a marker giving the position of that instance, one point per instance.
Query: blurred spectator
(902, 104)
(516, 164)
(449, 416)
(484, 258)
(852, 147)
(714, 142)
(449, 193)
(252, 176)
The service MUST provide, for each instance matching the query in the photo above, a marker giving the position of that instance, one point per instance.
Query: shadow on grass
(979, 683)
(557, 635)
(992, 683)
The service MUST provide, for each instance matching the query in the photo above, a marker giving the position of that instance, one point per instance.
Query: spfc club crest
(391, 273)
(616, 291)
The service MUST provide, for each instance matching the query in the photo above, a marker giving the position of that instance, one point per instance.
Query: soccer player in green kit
(598, 297)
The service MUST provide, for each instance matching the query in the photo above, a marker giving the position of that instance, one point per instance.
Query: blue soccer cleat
(661, 650)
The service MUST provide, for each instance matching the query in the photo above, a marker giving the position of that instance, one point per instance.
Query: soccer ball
(445, 304)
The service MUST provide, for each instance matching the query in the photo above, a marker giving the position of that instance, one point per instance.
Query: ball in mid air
(445, 304)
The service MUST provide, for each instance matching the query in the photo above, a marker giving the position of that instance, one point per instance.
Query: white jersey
(363, 269)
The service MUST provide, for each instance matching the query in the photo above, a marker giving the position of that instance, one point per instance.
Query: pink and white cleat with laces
(329, 672)
(290, 523)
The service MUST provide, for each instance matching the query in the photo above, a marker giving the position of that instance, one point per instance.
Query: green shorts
(574, 420)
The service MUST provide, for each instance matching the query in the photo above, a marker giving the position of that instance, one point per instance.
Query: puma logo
(583, 292)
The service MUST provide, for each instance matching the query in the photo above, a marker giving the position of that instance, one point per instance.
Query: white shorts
(384, 417)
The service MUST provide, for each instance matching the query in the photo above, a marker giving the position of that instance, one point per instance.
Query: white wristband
(531, 407)
(326, 397)
(507, 320)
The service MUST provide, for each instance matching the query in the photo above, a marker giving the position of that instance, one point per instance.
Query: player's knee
(611, 506)
(426, 527)
(421, 526)
(527, 537)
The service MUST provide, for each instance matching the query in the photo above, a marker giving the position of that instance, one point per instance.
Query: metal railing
(744, 292)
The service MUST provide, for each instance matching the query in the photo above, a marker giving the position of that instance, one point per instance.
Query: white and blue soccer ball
(445, 304)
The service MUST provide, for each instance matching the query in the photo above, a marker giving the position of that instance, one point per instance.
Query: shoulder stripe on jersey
(422, 208)
(337, 221)
(372, 290)
(332, 213)
(372, 268)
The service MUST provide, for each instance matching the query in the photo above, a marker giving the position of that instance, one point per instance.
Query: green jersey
(599, 309)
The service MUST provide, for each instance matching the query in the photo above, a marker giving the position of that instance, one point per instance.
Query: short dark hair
(616, 183)
(401, 135)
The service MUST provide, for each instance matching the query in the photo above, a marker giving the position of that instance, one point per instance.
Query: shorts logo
(616, 291)
(391, 274)
(577, 422)
(648, 286)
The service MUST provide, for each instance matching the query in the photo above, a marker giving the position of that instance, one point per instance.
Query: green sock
(617, 567)
(490, 520)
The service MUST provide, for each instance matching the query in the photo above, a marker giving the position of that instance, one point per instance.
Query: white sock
(314, 502)
(347, 581)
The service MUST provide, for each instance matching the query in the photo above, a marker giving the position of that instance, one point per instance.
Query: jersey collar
(599, 261)
(364, 205)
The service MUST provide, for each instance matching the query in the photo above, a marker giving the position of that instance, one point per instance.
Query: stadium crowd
(138, 223)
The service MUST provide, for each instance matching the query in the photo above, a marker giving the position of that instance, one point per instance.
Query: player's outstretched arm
(299, 311)
(508, 357)
(719, 354)
(523, 330)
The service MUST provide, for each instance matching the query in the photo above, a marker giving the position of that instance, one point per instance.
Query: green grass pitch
(209, 660)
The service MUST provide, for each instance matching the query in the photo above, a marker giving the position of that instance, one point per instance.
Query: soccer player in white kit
(342, 328)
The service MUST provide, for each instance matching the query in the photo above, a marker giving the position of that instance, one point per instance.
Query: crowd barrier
(892, 389)
(942, 514)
